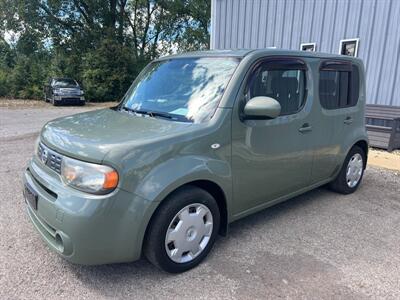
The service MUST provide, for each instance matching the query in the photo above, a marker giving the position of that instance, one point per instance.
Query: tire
(54, 102)
(170, 214)
(347, 184)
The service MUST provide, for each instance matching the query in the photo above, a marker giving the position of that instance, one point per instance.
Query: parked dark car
(63, 91)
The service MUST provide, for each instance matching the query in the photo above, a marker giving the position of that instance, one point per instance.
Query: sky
(10, 36)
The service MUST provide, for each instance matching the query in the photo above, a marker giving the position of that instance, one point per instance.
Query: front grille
(71, 98)
(46, 189)
(72, 92)
(50, 158)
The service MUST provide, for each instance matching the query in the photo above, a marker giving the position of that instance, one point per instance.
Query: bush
(5, 85)
(27, 78)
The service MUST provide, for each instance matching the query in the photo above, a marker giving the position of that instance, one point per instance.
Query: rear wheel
(183, 230)
(350, 176)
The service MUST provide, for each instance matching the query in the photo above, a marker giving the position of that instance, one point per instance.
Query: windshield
(181, 89)
(64, 82)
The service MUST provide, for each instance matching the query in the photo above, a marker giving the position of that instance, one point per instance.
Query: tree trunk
(112, 16)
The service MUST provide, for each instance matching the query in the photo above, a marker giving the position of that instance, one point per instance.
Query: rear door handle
(348, 120)
(305, 128)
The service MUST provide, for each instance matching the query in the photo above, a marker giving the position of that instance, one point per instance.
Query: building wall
(288, 23)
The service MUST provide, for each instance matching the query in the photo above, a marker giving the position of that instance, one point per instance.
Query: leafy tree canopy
(102, 43)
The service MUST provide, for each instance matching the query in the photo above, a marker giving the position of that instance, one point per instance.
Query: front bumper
(69, 99)
(83, 228)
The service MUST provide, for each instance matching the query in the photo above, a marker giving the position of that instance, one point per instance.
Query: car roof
(241, 53)
(63, 78)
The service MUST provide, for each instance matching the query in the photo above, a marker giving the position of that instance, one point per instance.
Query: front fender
(175, 172)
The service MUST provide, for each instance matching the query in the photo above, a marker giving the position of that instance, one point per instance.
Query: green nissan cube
(199, 140)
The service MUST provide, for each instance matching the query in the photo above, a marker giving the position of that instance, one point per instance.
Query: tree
(108, 71)
(94, 40)
(7, 62)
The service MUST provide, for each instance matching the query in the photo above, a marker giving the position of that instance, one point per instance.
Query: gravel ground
(317, 246)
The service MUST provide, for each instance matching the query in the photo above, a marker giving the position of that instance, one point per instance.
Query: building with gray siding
(372, 25)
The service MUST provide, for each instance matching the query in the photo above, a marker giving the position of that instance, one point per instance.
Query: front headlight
(81, 92)
(57, 91)
(88, 177)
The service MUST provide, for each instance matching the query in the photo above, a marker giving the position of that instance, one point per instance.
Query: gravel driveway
(317, 246)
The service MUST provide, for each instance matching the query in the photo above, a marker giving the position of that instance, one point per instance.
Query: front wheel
(351, 174)
(183, 230)
(53, 101)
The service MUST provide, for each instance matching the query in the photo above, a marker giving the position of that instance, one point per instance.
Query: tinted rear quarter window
(339, 84)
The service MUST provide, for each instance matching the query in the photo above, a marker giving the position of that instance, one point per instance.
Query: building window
(338, 85)
(308, 47)
(349, 47)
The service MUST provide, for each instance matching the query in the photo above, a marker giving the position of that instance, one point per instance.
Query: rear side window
(283, 79)
(338, 84)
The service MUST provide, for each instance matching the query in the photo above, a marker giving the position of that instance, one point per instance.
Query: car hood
(91, 135)
(66, 87)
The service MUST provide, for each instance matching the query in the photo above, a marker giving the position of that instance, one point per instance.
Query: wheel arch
(218, 194)
(211, 187)
(363, 144)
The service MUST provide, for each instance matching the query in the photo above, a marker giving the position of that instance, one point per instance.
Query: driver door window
(284, 82)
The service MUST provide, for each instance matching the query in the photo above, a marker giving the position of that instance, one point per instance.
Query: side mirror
(262, 108)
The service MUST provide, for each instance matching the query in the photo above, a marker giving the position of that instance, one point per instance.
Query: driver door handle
(305, 128)
(348, 120)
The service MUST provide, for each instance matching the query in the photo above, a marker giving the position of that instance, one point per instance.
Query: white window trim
(357, 40)
(308, 44)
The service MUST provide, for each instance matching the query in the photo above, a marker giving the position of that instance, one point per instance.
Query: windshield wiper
(149, 113)
(155, 114)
